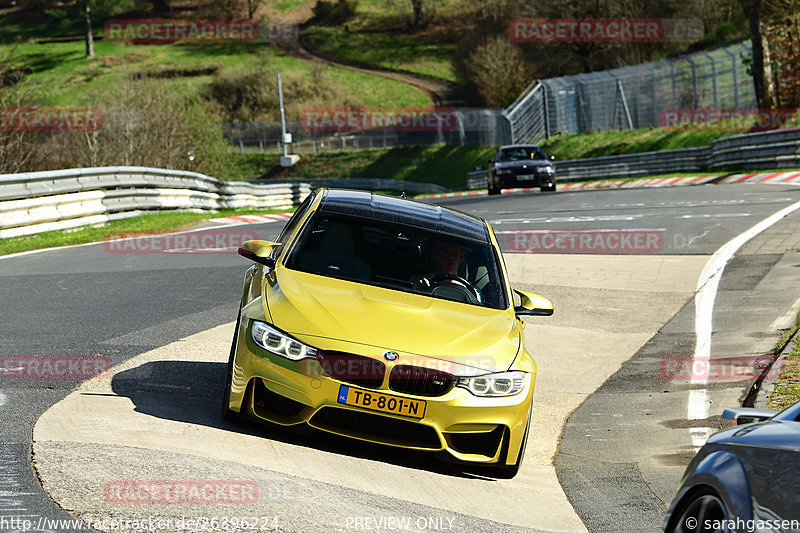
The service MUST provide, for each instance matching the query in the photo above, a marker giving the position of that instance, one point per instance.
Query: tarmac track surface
(164, 321)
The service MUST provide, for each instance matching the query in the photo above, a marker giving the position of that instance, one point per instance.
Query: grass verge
(787, 386)
(60, 75)
(443, 165)
(146, 224)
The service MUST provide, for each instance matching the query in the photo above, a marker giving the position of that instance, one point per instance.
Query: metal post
(624, 104)
(735, 81)
(653, 104)
(283, 117)
(546, 113)
(713, 76)
(694, 80)
(674, 88)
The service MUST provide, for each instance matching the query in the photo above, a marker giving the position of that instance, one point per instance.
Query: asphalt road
(104, 302)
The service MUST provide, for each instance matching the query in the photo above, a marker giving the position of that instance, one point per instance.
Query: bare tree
(421, 13)
(762, 64)
(497, 71)
(17, 147)
(252, 7)
(101, 8)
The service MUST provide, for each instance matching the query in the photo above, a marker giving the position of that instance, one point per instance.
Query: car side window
(292, 224)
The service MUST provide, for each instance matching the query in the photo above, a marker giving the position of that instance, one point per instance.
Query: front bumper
(522, 180)
(470, 428)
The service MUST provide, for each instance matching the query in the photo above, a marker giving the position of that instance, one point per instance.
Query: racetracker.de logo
(741, 368)
(50, 119)
(199, 242)
(730, 119)
(180, 492)
(53, 366)
(157, 31)
(596, 241)
(622, 30)
(346, 119)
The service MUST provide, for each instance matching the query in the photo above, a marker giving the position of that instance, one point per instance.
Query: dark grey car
(745, 478)
(521, 165)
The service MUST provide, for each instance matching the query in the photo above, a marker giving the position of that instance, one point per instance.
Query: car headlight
(280, 343)
(547, 169)
(500, 384)
(502, 171)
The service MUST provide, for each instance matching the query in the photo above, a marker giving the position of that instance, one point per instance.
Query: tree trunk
(89, 37)
(419, 12)
(762, 65)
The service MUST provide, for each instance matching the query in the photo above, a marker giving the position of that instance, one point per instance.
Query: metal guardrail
(477, 179)
(372, 184)
(751, 151)
(36, 202)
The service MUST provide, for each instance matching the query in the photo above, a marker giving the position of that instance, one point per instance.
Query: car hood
(767, 434)
(308, 305)
(532, 163)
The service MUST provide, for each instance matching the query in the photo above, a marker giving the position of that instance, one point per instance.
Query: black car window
(521, 153)
(399, 257)
(292, 224)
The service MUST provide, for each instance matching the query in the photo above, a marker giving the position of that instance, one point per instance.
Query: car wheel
(509, 471)
(702, 509)
(550, 187)
(492, 189)
(227, 414)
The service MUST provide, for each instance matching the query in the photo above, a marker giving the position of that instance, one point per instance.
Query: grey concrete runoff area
(610, 434)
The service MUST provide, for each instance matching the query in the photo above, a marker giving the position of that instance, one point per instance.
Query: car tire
(700, 508)
(227, 414)
(492, 189)
(509, 471)
(550, 187)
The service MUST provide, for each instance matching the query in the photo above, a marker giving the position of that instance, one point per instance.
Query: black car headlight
(499, 384)
(499, 171)
(279, 343)
(547, 169)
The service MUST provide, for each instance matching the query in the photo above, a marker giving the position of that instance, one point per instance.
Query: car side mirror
(258, 251)
(533, 304)
(478, 168)
(745, 415)
(491, 161)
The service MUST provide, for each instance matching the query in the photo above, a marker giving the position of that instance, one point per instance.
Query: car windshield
(520, 153)
(398, 257)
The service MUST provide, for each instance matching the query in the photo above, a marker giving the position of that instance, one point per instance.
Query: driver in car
(444, 281)
(445, 258)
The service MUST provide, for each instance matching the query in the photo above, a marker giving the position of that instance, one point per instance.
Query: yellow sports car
(386, 320)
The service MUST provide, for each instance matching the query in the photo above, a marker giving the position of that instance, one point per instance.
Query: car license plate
(526, 177)
(377, 401)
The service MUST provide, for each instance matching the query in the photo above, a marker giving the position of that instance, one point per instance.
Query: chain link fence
(484, 127)
(634, 97)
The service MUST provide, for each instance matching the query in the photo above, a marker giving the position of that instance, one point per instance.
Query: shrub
(497, 71)
(146, 123)
(334, 13)
(252, 95)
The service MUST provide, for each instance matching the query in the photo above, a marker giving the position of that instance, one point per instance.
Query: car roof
(391, 209)
(520, 146)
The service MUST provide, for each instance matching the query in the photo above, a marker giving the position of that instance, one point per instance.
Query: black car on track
(521, 165)
(745, 478)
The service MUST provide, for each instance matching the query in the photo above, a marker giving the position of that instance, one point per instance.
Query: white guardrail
(751, 151)
(36, 202)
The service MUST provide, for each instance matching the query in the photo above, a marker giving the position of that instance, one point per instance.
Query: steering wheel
(444, 284)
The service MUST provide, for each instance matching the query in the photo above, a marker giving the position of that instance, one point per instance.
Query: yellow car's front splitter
(470, 428)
